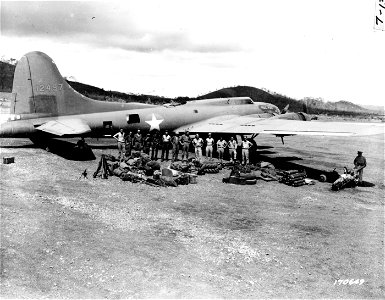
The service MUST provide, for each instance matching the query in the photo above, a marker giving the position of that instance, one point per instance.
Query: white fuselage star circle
(154, 123)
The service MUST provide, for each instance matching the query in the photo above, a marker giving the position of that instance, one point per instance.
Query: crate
(8, 160)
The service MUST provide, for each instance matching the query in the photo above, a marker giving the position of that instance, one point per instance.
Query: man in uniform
(185, 141)
(198, 143)
(166, 141)
(137, 141)
(175, 140)
(246, 145)
(221, 145)
(232, 144)
(120, 137)
(147, 144)
(209, 147)
(359, 165)
(128, 146)
(155, 143)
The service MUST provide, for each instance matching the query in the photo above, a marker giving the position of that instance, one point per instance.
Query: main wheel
(322, 178)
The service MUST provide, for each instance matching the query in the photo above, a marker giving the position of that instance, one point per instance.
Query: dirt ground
(65, 237)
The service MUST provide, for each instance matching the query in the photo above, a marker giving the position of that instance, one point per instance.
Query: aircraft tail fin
(40, 89)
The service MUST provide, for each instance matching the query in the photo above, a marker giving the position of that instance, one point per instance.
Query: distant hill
(376, 108)
(103, 95)
(313, 105)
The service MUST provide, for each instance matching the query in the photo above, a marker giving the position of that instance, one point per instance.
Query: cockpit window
(235, 101)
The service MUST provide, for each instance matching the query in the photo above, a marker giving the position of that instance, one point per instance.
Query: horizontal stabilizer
(62, 127)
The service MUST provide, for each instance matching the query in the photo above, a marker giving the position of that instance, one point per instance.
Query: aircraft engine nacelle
(300, 116)
(16, 129)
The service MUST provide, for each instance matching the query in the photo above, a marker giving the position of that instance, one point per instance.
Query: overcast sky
(306, 48)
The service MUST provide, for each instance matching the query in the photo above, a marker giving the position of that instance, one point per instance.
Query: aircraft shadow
(69, 150)
(27, 146)
(102, 146)
(265, 147)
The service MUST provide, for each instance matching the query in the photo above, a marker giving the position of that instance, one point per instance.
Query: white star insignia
(154, 123)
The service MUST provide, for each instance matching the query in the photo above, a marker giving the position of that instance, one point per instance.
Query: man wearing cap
(359, 165)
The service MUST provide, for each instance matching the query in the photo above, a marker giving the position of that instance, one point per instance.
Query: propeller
(285, 109)
(304, 107)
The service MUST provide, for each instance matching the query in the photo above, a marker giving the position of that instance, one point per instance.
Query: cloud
(105, 25)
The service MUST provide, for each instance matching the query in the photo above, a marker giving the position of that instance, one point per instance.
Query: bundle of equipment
(293, 177)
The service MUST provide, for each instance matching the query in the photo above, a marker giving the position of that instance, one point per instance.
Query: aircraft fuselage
(147, 119)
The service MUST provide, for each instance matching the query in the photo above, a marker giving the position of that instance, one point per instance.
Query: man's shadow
(366, 184)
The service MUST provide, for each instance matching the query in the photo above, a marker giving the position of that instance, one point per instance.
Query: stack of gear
(266, 171)
(209, 167)
(183, 166)
(241, 175)
(348, 179)
(142, 169)
(293, 178)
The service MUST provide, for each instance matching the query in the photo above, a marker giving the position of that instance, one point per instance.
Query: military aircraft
(44, 106)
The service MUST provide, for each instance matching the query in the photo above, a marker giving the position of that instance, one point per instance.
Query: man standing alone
(120, 137)
(359, 165)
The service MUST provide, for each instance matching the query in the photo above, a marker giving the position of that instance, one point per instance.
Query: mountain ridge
(309, 104)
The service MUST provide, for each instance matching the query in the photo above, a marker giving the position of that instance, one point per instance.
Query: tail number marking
(47, 87)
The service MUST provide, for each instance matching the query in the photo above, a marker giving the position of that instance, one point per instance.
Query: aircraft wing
(62, 127)
(282, 127)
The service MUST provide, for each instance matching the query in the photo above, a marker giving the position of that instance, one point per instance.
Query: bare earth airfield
(65, 237)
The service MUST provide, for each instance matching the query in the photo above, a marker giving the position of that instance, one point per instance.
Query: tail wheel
(322, 178)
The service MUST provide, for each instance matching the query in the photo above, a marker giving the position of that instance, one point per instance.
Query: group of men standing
(153, 142)
(178, 142)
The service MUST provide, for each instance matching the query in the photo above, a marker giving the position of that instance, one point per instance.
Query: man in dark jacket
(155, 144)
(359, 165)
(147, 144)
(128, 139)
